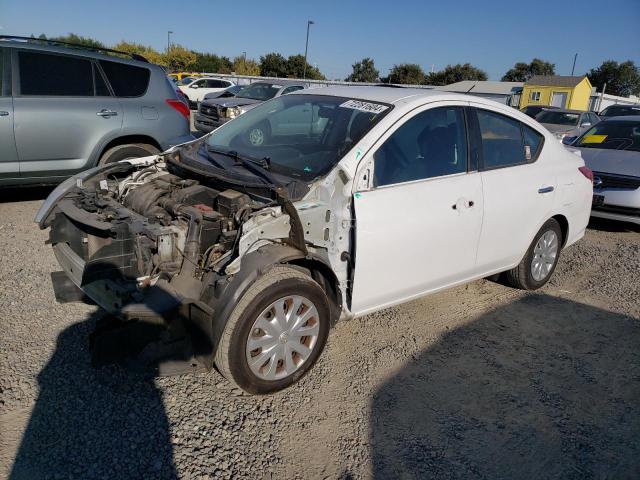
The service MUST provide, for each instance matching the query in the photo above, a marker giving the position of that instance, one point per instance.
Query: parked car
(215, 112)
(612, 150)
(198, 88)
(242, 254)
(620, 111)
(563, 122)
(70, 108)
(226, 93)
(533, 110)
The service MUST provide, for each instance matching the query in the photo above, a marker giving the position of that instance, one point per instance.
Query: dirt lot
(478, 382)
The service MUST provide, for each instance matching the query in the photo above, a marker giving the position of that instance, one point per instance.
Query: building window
(534, 96)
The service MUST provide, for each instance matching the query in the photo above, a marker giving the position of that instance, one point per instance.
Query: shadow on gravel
(24, 194)
(540, 388)
(89, 423)
(605, 225)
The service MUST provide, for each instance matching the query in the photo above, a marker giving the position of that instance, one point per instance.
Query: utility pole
(306, 49)
(574, 64)
(169, 40)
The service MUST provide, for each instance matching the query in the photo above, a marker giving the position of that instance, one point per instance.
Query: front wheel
(276, 332)
(541, 258)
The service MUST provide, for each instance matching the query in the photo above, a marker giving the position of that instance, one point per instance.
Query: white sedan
(353, 200)
(199, 87)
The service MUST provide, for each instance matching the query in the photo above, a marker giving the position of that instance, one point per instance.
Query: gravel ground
(481, 381)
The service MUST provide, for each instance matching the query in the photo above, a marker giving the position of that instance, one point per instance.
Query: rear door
(518, 187)
(9, 167)
(417, 228)
(63, 111)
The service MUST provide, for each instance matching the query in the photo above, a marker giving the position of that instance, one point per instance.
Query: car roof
(382, 94)
(622, 118)
(568, 110)
(79, 51)
(282, 82)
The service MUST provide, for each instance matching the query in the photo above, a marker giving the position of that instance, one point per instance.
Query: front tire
(275, 333)
(541, 258)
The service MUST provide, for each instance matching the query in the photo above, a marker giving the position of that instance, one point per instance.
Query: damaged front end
(159, 251)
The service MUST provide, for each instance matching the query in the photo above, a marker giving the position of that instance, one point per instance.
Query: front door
(8, 155)
(559, 99)
(417, 227)
(61, 114)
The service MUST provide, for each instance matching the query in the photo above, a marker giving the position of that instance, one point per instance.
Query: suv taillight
(180, 107)
(587, 173)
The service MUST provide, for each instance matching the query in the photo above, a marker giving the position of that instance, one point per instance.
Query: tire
(124, 152)
(526, 276)
(269, 372)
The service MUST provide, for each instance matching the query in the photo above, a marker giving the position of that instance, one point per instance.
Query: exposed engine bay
(149, 246)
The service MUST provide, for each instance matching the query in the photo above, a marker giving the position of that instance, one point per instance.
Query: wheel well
(129, 139)
(564, 227)
(323, 274)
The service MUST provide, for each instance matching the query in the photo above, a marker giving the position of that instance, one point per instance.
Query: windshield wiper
(259, 167)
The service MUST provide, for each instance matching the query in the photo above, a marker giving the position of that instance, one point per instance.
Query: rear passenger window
(126, 80)
(45, 74)
(532, 143)
(431, 144)
(502, 142)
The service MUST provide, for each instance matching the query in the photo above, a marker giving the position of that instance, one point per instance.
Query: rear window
(126, 80)
(558, 118)
(46, 74)
(616, 111)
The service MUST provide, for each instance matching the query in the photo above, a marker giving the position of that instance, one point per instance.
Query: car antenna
(472, 87)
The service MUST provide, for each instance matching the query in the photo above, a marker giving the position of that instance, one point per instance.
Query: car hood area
(554, 128)
(621, 162)
(231, 102)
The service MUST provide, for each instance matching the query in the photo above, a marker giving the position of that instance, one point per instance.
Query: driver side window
(431, 144)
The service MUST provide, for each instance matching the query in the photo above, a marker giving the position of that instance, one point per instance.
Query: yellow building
(558, 91)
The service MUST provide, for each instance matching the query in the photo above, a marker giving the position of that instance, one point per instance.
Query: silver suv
(66, 108)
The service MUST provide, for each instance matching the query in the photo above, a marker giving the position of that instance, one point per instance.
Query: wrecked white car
(240, 250)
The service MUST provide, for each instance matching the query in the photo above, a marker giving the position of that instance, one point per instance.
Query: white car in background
(355, 199)
(199, 87)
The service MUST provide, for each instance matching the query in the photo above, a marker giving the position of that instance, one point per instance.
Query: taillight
(587, 173)
(180, 107)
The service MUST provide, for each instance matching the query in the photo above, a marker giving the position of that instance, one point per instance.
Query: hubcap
(256, 137)
(283, 337)
(544, 255)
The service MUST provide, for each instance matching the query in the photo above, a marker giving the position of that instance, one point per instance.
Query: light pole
(244, 62)
(306, 49)
(169, 40)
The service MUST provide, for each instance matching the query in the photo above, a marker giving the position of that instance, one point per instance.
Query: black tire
(278, 282)
(123, 152)
(522, 276)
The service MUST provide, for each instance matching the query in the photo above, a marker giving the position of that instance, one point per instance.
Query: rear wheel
(541, 258)
(276, 332)
(127, 151)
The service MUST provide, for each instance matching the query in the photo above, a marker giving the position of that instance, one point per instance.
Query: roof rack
(47, 41)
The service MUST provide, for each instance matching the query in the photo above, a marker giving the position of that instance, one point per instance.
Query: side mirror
(194, 86)
(586, 124)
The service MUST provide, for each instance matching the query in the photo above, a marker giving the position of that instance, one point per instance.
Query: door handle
(545, 189)
(106, 113)
(4, 113)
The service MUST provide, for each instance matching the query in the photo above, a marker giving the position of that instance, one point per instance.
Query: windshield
(186, 80)
(558, 118)
(618, 111)
(612, 136)
(259, 91)
(301, 136)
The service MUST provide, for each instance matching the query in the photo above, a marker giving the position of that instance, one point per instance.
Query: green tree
(521, 72)
(455, 73)
(622, 79)
(363, 71)
(210, 62)
(406, 73)
(295, 69)
(179, 59)
(147, 52)
(245, 66)
(273, 65)
(73, 38)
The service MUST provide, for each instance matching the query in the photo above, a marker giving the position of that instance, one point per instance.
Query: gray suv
(66, 108)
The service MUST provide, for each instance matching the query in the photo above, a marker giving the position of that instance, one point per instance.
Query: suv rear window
(46, 74)
(126, 80)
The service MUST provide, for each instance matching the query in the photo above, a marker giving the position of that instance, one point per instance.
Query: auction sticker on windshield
(364, 106)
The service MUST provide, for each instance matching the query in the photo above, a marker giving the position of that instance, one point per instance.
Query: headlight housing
(232, 112)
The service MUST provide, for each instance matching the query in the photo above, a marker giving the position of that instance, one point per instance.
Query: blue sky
(492, 35)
